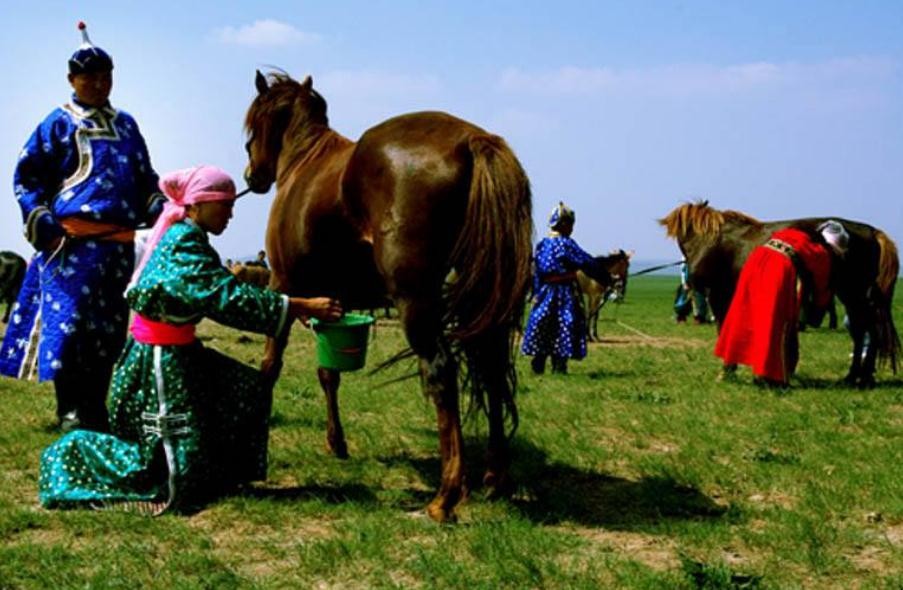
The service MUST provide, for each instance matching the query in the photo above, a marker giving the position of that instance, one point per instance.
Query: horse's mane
(740, 218)
(699, 219)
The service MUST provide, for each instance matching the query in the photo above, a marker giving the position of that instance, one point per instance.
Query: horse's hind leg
(867, 375)
(490, 363)
(440, 381)
(858, 328)
(439, 374)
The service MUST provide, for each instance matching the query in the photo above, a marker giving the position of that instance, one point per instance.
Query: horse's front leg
(271, 365)
(335, 435)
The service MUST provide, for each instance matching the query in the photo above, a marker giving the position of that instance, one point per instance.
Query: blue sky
(621, 109)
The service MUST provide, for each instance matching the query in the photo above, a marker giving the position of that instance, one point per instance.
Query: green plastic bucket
(342, 344)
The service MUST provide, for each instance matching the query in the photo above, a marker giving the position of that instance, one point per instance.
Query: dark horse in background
(415, 198)
(12, 274)
(716, 244)
(597, 293)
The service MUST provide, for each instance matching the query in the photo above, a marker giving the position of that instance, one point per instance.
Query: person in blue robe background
(687, 299)
(84, 182)
(556, 326)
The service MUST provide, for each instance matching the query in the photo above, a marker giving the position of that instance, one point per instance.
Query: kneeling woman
(187, 422)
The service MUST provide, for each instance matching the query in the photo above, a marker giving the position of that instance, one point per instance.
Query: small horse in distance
(416, 197)
(251, 273)
(717, 243)
(12, 273)
(596, 294)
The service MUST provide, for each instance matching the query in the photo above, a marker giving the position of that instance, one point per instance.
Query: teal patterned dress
(187, 422)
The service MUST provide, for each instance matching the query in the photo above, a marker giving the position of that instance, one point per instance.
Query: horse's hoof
(338, 450)
(438, 512)
(850, 380)
(726, 376)
(498, 485)
(866, 383)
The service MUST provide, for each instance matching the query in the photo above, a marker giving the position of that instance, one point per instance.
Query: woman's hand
(322, 308)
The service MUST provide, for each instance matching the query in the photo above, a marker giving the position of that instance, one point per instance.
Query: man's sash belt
(86, 229)
(781, 246)
(785, 249)
(147, 331)
(561, 278)
(802, 273)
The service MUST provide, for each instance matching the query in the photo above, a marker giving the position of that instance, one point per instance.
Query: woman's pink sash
(147, 331)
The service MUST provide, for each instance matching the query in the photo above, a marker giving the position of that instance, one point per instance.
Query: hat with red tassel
(88, 58)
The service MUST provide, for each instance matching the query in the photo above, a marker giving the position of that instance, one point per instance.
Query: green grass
(637, 470)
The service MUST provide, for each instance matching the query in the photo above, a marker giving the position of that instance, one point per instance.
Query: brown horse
(251, 273)
(596, 294)
(416, 197)
(716, 244)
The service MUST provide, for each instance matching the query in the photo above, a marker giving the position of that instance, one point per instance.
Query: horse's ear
(260, 82)
(307, 83)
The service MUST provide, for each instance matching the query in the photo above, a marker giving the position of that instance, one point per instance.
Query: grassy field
(637, 470)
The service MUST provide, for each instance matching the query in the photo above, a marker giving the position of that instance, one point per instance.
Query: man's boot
(538, 364)
(66, 414)
(92, 404)
(81, 403)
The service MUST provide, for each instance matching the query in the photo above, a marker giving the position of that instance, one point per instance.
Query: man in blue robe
(556, 326)
(84, 182)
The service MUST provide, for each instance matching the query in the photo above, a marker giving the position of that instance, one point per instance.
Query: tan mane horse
(716, 244)
(416, 197)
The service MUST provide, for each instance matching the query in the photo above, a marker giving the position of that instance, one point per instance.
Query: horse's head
(278, 118)
(618, 262)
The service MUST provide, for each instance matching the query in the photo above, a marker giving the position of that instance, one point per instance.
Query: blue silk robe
(90, 164)
(556, 326)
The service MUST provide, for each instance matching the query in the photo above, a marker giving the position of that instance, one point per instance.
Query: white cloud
(267, 32)
(691, 80)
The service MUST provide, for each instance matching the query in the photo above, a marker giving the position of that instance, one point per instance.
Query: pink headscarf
(185, 187)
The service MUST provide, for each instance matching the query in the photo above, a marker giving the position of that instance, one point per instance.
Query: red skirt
(762, 323)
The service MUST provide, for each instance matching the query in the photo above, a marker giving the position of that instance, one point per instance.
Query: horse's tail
(888, 270)
(493, 252)
(492, 259)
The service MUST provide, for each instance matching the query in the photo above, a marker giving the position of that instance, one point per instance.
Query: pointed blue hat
(88, 59)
